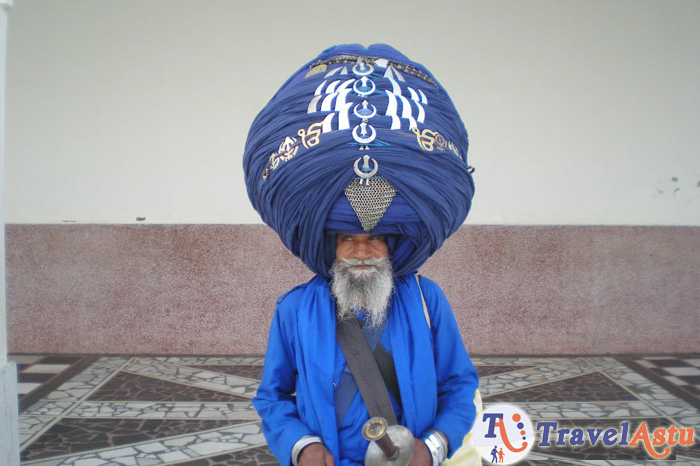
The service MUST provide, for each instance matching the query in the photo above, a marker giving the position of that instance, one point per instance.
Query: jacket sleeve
(275, 400)
(456, 375)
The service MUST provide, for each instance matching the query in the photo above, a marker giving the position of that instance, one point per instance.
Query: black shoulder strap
(388, 370)
(365, 370)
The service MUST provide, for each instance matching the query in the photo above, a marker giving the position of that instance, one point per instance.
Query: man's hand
(316, 454)
(421, 454)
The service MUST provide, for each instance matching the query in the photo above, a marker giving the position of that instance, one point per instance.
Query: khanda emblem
(365, 172)
(287, 150)
(364, 133)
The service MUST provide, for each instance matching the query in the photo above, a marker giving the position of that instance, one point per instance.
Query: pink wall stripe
(211, 289)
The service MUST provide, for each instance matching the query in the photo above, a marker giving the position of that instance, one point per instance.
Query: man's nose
(363, 251)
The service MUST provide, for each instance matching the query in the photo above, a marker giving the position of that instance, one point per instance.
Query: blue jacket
(304, 363)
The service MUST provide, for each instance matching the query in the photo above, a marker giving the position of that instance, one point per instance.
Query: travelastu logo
(503, 434)
(661, 439)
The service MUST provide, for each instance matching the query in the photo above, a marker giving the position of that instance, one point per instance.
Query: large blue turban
(360, 140)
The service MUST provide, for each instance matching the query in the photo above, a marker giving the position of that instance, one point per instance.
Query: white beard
(363, 290)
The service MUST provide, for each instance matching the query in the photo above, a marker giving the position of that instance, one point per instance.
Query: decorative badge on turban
(360, 140)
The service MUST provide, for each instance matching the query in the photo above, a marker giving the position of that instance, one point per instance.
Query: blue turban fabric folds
(303, 146)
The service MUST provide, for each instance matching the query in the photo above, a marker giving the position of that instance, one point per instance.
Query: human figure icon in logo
(500, 455)
(494, 452)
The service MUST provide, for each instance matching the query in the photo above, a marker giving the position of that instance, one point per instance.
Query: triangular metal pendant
(369, 199)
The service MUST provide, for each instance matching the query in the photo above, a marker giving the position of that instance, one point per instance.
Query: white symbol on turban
(364, 87)
(365, 172)
(366, 112)
(362, 69)
(362, 137)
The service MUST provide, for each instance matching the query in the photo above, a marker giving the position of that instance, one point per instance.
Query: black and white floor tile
(196, 411)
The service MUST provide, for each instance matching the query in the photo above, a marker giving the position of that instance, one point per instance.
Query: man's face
(362, 277)
(362, 246)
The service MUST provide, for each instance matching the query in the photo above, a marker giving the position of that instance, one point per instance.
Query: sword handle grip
(375, 430)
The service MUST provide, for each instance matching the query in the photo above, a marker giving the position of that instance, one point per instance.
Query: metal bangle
(437, 446)
(303, 442)
(443, 443)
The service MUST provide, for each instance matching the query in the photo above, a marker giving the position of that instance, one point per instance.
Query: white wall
(579, 112)
(4, 7)
(9, 422)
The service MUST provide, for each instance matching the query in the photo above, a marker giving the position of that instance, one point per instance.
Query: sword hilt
(375, 430)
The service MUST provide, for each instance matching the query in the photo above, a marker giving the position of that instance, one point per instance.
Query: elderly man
(359, 163)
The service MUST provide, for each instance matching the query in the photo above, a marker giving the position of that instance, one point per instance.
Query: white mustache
(354, 262)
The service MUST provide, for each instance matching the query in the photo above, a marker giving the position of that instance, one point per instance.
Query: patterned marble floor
(195, 411)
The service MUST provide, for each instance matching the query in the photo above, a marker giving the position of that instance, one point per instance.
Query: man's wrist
(437, 445)
(302, 443)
